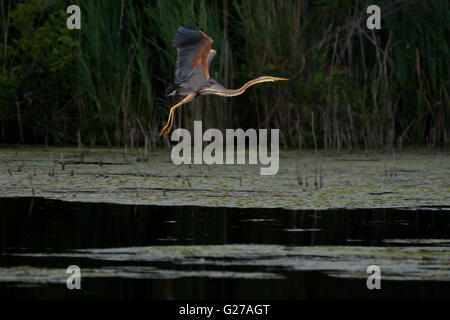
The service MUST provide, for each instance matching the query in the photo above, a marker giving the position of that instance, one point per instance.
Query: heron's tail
(171, 90)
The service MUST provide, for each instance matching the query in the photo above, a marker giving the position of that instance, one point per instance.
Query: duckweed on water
(349, 180)
(398, 263)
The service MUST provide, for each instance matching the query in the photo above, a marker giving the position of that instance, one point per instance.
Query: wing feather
(211, 55)
(192, 62)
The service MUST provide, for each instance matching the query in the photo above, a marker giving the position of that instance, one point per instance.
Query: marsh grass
(351, 87)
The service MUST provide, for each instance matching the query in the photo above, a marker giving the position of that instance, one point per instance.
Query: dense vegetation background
(350, 88)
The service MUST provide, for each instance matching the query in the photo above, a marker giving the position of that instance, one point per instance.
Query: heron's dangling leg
(169, 123)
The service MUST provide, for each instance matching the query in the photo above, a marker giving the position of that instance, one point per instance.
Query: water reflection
(42, 233)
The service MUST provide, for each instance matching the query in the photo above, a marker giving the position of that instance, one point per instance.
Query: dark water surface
(45, 234)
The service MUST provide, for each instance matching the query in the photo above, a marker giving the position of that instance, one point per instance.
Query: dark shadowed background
(351, 87)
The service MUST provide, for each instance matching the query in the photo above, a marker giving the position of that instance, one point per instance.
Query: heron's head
(270, 78)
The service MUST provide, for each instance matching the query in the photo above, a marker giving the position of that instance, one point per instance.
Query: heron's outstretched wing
(192, 62)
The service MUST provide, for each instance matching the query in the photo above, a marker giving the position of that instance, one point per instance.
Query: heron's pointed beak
(279, 79)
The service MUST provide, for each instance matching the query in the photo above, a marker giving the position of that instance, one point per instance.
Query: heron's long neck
(236, 92)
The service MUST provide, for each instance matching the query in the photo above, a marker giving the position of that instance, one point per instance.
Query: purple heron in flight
(192, 73)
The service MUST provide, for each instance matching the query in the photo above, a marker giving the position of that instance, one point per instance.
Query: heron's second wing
(192, 62)
(212, 54)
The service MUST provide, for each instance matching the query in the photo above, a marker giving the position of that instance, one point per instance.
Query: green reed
(350, 87)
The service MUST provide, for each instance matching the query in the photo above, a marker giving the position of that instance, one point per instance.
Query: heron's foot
(165, 131)
(162, 131)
